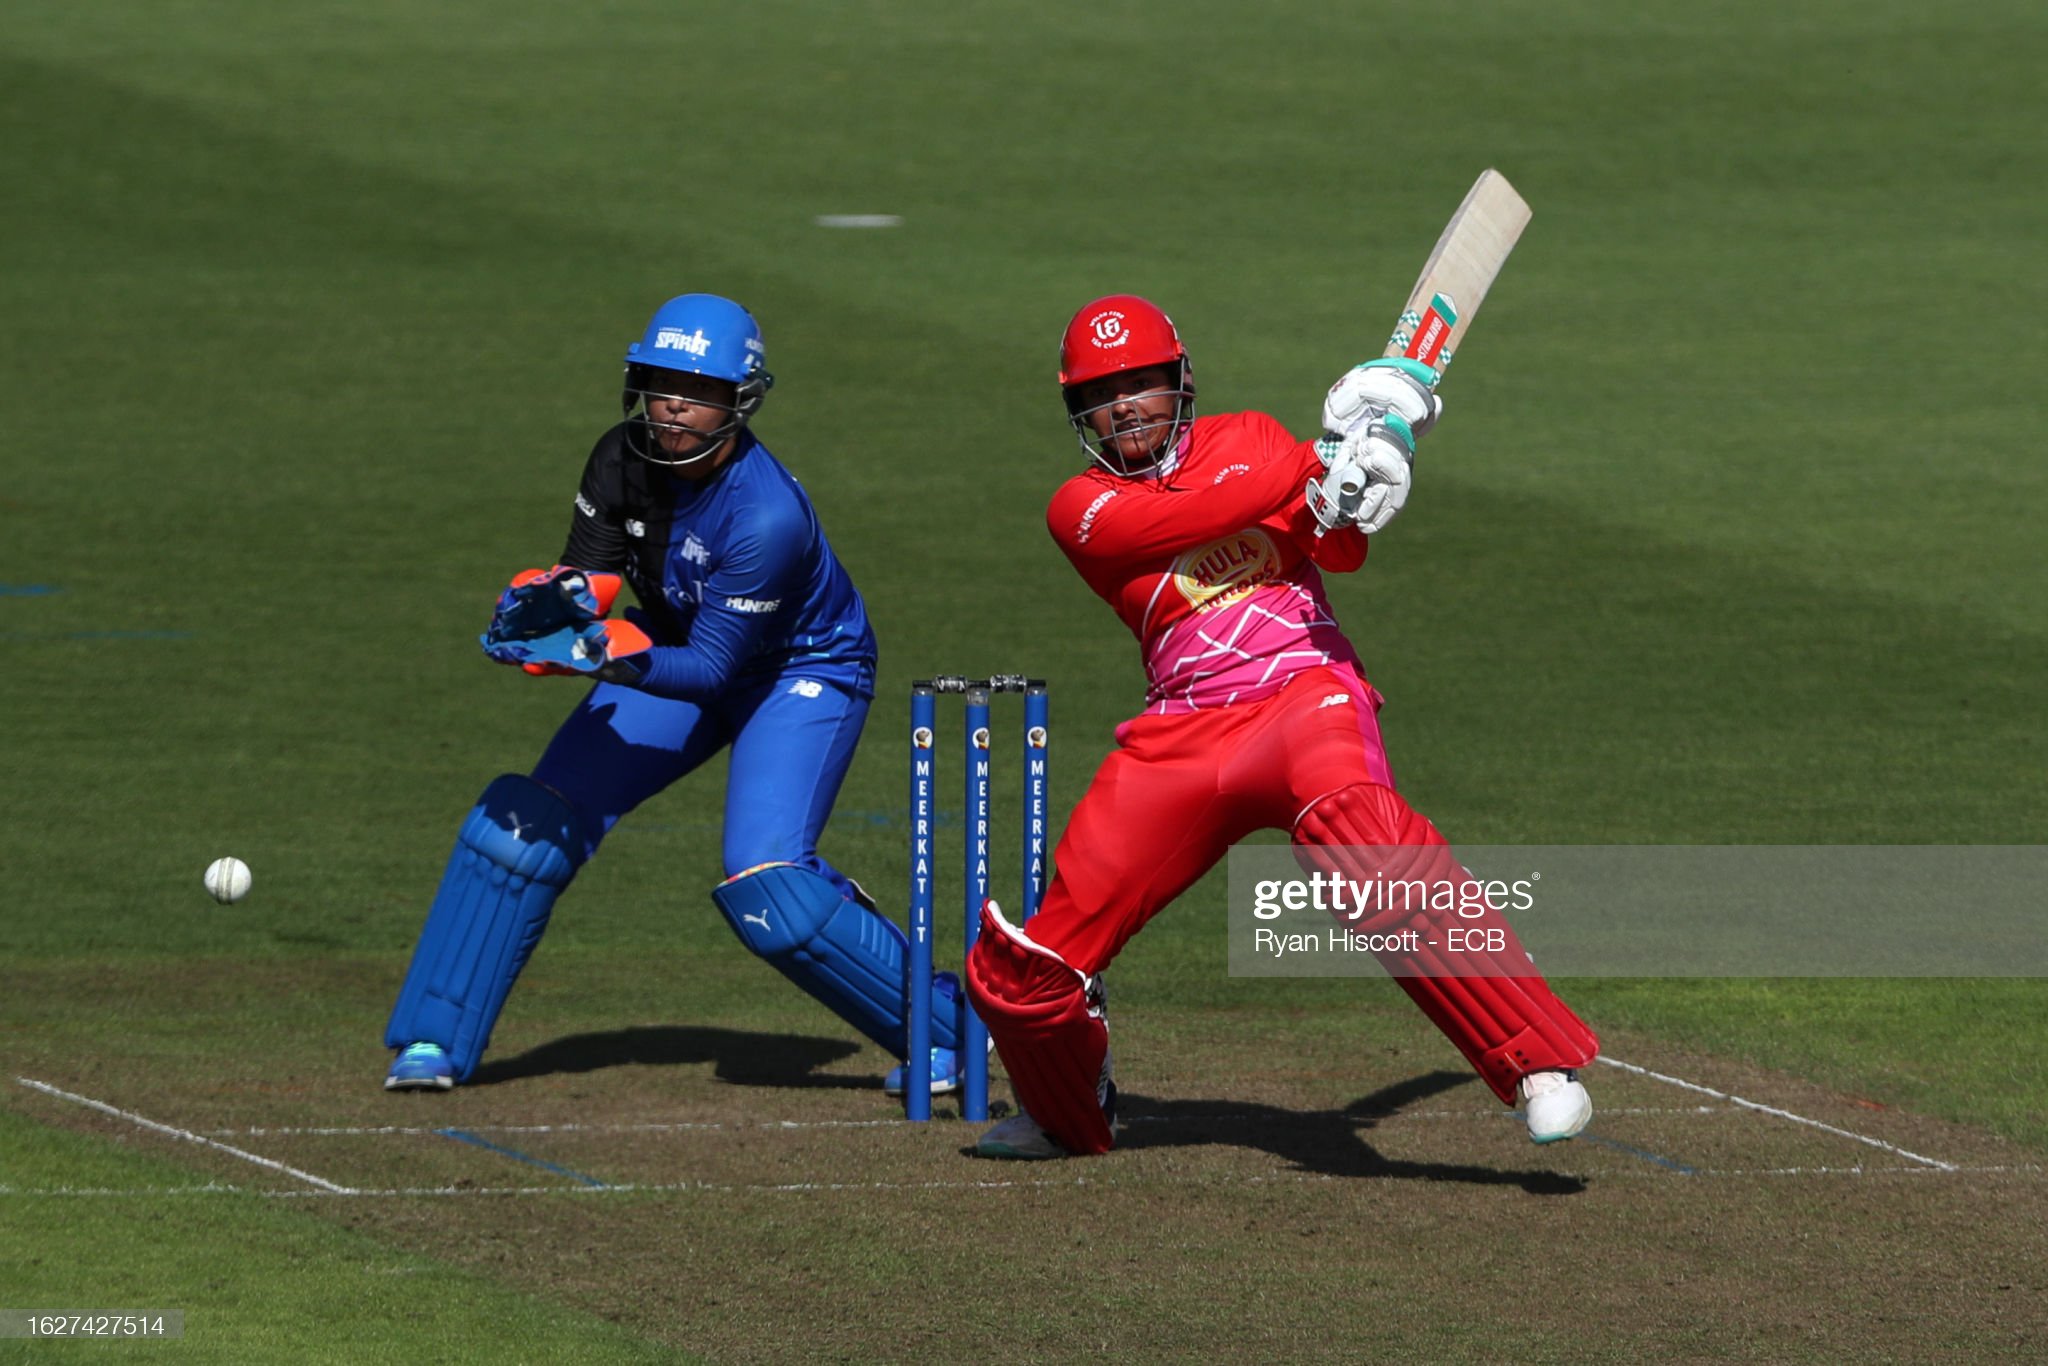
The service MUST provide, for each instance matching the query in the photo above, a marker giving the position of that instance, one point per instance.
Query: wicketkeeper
(748, 636)
(1207, 537)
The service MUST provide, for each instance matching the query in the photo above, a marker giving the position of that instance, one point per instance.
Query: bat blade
(1454, 280)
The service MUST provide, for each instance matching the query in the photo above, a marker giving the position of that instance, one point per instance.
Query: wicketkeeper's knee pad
(515, 853)
(839, 951)
(1453, 952)
(1050, 1026)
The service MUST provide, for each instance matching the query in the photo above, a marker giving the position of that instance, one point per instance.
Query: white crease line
(650, 1126)
(797, 1125)
(811, 1187)
(185, 1134)
(1773, 1110)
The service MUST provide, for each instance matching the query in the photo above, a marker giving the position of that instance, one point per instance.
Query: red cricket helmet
(1115, 334)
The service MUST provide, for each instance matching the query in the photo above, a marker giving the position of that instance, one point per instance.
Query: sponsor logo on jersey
(1087, 527)
(1230, 471)
(584, 506)
(756, 605)
(675, 339)
(634, 528)
(693, 550)
(1335, 699)
(1221, 572)
(807, 687)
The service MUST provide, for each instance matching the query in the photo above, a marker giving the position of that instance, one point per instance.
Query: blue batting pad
(837, 950)
(515, 853)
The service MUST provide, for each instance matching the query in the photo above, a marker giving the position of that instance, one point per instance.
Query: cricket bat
(1473, 247)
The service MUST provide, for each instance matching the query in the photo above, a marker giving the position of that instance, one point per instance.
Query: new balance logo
(675, 339)
(1335, 699)
(807, 687)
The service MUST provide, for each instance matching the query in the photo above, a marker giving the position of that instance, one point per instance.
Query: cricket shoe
(945, 1074)
(1019, 1139)
(947, 1066)
(421, 1067)
(1555, 1105)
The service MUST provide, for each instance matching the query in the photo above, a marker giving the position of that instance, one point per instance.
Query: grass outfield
(1731, 536)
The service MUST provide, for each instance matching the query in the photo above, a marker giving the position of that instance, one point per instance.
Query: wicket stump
(917, 1095)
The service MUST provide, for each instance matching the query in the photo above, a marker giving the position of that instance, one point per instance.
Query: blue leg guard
(839, 951)
(513, 857)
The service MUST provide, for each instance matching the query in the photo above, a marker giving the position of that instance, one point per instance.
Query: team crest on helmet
(1108, 329)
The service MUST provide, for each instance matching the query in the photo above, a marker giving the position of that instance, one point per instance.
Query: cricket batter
(1207, 537)
(749, 636)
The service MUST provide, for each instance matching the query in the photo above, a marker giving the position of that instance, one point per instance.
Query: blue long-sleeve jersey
(735, 578)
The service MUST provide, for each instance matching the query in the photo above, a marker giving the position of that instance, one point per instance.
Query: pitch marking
(1761, 1108)
(186, 1134)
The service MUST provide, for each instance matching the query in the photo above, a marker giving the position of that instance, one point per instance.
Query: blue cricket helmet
(696, 334)
(702, 334)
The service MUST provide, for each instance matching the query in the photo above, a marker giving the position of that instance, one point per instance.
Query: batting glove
(1367, 478)
(1371, 391)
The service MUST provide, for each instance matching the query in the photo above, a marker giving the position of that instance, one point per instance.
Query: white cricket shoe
(1020, 1139)
(1556, 1105)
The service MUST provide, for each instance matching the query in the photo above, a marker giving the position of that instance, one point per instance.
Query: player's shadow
(1327, 1142)
(737, 1056)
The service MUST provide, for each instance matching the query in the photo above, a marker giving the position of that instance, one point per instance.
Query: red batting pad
(1491, 1003)
(1053, 1045)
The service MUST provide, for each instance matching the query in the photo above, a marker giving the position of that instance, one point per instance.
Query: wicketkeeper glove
(1371, 391)
(605, 651)
(540, 602)
(1366, 478)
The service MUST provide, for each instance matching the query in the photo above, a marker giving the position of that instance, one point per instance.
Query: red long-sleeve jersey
(1212, 562)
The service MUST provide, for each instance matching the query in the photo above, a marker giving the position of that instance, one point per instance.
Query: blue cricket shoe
(945, 1074)
(421, 1067)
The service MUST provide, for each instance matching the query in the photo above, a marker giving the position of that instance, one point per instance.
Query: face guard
(693, 334)
(1160, 437)
(678, 446)
(1111, 336)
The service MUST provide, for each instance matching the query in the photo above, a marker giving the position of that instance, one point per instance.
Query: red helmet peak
(1115, 333)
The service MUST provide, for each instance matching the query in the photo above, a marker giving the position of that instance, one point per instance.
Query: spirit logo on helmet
(675, 339)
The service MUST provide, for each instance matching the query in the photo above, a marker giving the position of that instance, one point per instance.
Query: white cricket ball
(227, 880)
